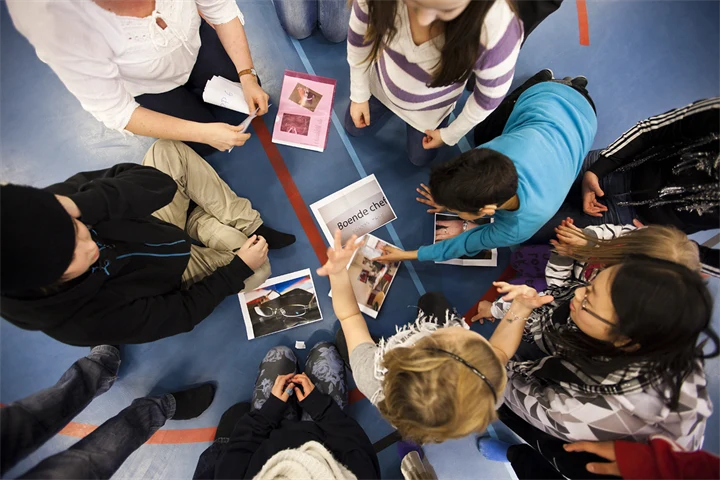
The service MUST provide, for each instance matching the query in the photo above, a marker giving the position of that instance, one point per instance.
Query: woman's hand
(393, 255)
(428, 200)
(484, 312)
(307, 386)
(253, 252)
(255, 96)
(339, 256)
(69, 205)
(360, 114)
(568, 236)
(222, 135)
(281, 386)
(432, 140)
(605, 450)
(522, 295)
(590, 191)
(451, 228)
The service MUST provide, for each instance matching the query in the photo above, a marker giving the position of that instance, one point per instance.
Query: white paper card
(224, 93)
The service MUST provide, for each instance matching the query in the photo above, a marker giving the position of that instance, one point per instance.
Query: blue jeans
(300, 17)
(379, 114)
(26, 424)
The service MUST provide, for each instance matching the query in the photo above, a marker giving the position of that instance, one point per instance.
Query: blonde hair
(664, 243)
(432, 397)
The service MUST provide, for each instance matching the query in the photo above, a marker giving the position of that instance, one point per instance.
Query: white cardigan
(106, 60)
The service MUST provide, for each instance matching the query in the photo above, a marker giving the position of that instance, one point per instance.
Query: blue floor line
(359, 167)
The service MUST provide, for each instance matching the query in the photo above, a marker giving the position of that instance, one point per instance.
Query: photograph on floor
(449, 225)
(370, 279)
(358, 209)
(304, 111)
(306, 97)
(279, 304)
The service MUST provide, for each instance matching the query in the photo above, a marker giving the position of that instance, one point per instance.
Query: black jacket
(133, 293)
(667, 151)
(262, 433)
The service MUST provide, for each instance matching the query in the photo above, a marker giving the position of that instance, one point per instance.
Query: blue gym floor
(643, 59)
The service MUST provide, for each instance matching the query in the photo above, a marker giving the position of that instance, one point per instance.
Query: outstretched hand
(568, 236)
(590, 192)
(339, 256)
(428, 199)
(526, 296)
(605, 450)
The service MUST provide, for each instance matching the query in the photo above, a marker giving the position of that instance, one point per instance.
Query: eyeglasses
(583, 305)
(289, 311)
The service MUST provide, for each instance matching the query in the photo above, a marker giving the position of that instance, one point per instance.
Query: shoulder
(499, 21)
(362, 364)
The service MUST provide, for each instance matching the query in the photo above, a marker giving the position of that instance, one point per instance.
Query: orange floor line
(583, 25)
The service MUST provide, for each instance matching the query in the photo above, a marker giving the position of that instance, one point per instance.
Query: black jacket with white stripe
(672, 159)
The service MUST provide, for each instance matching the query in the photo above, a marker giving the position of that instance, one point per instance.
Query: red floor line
(583, 25)
(298, 204)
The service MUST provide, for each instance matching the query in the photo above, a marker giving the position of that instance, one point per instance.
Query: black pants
(536, 460)
(186, 101)
(493, 126)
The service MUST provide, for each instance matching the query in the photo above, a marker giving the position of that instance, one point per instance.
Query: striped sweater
(401, 75)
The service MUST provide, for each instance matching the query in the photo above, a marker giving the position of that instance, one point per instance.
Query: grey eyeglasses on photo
(289, 311)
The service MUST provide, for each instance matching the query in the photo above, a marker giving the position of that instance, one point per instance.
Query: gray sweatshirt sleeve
(362, 363)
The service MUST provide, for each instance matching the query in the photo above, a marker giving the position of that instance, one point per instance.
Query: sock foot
(492, 449)
(275, 239)
(193, 402)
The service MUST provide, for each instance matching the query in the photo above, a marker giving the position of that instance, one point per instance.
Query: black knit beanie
(37, 238)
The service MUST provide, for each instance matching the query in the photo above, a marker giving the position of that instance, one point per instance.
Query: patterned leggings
(324, 367)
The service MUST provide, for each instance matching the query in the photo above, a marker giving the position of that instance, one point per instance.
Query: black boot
(275, 239)
(193, 402)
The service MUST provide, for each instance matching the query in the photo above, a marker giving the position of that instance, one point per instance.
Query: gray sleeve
(362, 363)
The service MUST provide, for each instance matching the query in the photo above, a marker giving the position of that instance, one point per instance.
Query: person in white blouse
(140, 66)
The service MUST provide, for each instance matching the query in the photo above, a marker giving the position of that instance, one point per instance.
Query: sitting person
(435, 379)
(27, 424)
(269, 439)
(106, 256)
(141, 66)
(617, 359)
(299, 19)
(663, 171)
(520, 178)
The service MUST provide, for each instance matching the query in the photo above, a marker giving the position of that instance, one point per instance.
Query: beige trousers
(221, 221)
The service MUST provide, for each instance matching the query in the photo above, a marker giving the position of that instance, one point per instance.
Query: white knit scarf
(311, 461)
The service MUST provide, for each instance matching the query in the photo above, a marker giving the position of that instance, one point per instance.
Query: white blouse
(106, 60)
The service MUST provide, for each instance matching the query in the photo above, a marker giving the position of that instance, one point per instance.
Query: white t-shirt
(106, 60)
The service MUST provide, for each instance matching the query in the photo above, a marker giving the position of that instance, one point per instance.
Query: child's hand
(568, 236)
(281, 386)
(522, 294)
(338, 256)
(307, 386)
(432, 140)
(484, 312)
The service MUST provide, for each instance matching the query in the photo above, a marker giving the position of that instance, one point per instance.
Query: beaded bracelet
(515, 317)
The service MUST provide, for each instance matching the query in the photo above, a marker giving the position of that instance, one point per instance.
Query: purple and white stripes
(403, 71)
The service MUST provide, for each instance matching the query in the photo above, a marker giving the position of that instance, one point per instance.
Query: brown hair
(664, 243)
(462, 38)
(432, 397)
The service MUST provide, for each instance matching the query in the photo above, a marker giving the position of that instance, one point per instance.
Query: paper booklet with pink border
(304, 112)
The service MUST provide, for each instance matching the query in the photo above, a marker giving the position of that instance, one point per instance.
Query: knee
(320, 348)
(278, 353)
(163, 153)
(335, 33)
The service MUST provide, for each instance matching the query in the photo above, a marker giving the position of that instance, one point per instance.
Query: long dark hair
(462, 38)
(662, 308)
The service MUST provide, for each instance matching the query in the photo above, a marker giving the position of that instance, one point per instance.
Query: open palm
(338, 256)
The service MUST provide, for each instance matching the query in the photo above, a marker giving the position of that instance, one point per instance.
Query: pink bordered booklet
(304, 112)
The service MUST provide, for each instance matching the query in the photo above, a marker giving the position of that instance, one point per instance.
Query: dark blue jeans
(379, 114)
(616, 187)
(26, 424)
(300, 17)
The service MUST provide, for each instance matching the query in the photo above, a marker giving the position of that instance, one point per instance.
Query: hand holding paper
(224, 93)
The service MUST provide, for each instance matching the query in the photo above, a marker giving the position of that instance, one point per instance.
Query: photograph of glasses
(370, 279)
(279, 304)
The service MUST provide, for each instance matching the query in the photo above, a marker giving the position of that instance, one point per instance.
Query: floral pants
(324, 367)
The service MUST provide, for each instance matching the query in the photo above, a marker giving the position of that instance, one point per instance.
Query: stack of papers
(225, 93)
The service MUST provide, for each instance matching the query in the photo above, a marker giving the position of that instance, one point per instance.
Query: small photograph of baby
(295, 124)
(279, 304)
(305, 97)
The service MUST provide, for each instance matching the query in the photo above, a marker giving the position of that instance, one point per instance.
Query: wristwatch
(248, 71)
